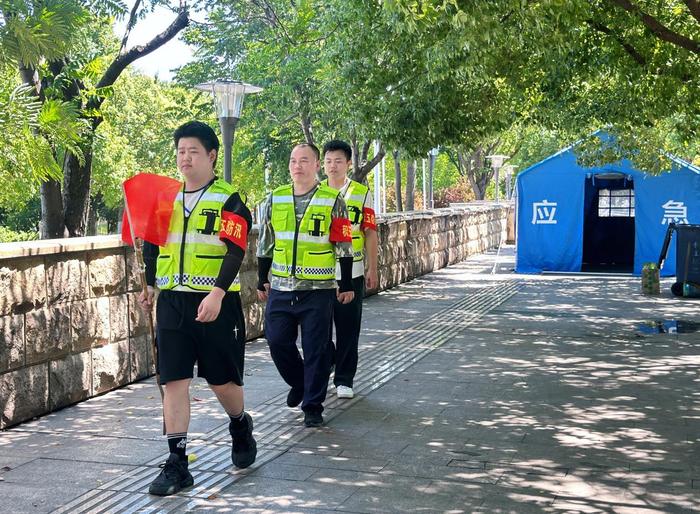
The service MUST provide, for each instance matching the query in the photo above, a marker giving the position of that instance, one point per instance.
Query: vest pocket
(280, 262)
(318, 265)
(279, 220)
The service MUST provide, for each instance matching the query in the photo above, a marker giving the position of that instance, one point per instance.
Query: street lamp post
(431, 168)
(496, 163)
(425, 206)
(228, 100)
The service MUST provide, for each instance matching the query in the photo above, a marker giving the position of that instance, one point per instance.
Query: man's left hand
(371, 280)
(345, 297)
(211, 306)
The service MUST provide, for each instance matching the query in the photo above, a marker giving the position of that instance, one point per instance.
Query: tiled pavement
(477, 392)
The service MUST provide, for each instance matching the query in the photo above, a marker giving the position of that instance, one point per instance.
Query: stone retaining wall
(70, 327)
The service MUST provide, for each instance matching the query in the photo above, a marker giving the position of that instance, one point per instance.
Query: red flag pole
(138, 251)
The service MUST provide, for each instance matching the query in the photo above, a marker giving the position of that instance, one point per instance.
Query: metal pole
(377, 181)
(424, 198)
(497, 168)
(383, 166)
(228, 127)
(431, 167)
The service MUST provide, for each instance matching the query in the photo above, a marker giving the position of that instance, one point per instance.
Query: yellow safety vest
(193, 255)
(303, 249)
(355, 200)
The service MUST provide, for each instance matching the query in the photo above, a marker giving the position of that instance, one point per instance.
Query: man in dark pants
(199, 316)
(304, 231)
(337, 159)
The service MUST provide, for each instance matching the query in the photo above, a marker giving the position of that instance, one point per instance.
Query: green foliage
(27, 155)
(8, 235)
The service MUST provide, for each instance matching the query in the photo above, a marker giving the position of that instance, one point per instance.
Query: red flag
(149, 206)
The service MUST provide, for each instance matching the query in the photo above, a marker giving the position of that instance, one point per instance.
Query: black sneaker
(313, 419)
(294, 397)
(244, 449)
(174, 477)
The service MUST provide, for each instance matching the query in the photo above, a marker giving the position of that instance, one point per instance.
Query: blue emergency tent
(614, 217)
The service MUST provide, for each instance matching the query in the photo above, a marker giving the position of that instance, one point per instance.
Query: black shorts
(218, 347)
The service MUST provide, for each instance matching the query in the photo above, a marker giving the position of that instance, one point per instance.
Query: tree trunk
(91, 227)
(410, 185)
(51, 225)
(363, 166)
(307, 128)
(397, 180)
(76, 190)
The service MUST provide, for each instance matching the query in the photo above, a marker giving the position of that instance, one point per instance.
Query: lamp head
(228, 96)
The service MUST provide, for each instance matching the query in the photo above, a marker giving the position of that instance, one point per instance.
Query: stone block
(90, 323)
(133, 273)
(107, 272)
(22, 285)
(25, 394)
(70, 380)
(138, 319)
(66, 277)
(255, 318)
(118, 317)
(11, 342)
(47, 333)
(139, 357)
(249, 281)
(110, 366)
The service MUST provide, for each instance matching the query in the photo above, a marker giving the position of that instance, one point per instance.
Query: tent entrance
(608, 223)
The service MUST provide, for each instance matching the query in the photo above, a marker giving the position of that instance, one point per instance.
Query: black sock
(178, 444)
(237, 420)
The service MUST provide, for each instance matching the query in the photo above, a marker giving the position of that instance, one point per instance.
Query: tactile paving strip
(277, 428)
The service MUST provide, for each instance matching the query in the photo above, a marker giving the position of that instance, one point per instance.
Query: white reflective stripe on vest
(327, 202)
(355, 198)
(195, 280)
(289, 236)
(206, 197)
(194, 237)
(321, 272)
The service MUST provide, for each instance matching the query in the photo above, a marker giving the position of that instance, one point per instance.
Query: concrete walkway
(477, 392)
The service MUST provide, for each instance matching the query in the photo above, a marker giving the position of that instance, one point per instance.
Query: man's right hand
(146, 298)
(262, 295)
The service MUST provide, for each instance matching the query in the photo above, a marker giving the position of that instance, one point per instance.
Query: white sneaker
(344, 392)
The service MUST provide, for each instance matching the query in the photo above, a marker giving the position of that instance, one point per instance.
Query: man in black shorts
(199, 317)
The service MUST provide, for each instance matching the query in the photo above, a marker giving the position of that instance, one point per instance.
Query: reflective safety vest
(355, 200)
(193, 254)
(303, 248)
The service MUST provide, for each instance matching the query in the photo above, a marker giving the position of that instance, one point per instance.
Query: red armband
(235, 229)
(341, 231)
(369, 221)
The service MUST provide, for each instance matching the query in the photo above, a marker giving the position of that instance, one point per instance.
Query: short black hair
(203, 132)
(338, 144)
(313, 147)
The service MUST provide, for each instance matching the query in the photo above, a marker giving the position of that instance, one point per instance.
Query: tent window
(617, 203)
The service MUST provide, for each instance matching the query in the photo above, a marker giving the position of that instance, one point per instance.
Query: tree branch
(126, 58)
(694, 8)
(129, 25)
(365, 150)
(632, 51)
(659, 29)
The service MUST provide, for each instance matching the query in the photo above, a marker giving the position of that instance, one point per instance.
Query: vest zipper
(292, 272)
(182, 246)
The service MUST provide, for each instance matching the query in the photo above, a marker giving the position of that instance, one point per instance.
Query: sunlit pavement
(478, 390)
